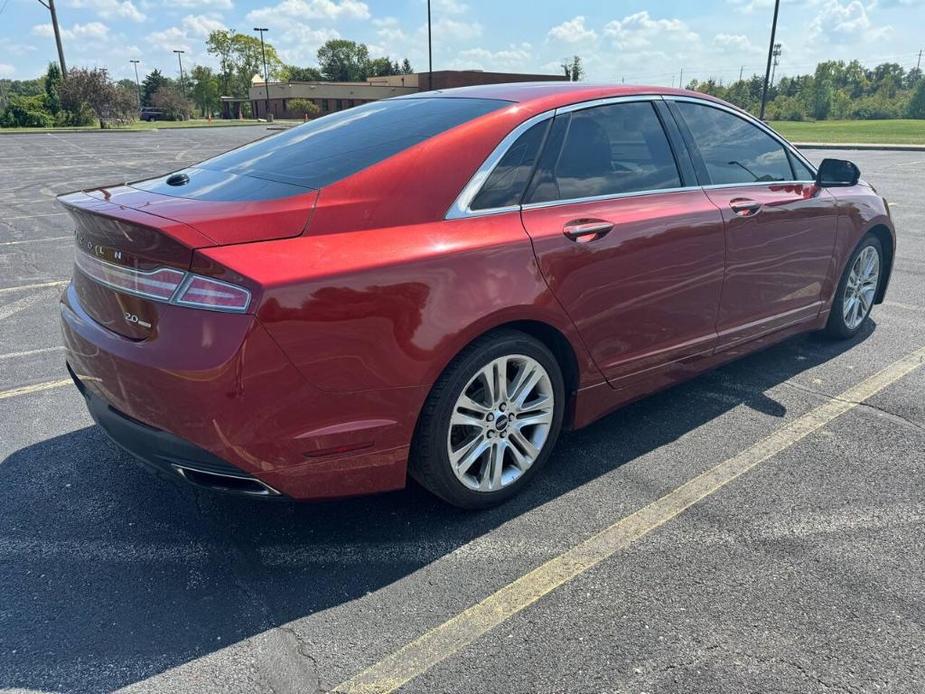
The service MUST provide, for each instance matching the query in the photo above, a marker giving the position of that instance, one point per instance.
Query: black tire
(837, 327)
(430, 463)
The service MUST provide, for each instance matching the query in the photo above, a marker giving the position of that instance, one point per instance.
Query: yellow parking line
(436, 645)
(34, 388)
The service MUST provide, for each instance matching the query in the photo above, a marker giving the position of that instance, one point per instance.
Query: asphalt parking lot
(804, 574)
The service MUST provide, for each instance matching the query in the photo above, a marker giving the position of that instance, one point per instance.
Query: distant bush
(26, 112)
(303, 106)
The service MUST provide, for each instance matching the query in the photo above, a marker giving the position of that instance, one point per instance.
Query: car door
(780, 228)
(629, 244)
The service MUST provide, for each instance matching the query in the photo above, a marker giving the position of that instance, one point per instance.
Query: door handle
(584, 230)
(745, 207)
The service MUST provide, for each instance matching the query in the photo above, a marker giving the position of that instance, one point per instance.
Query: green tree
(916, 108)
(240, 58)
(51, 84)
(26, 112)
(294, 73)
(205, 91)
(344, 61)
(152, 82)
(573, 68)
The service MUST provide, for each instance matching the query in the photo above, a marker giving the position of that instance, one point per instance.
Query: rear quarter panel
(390, 308)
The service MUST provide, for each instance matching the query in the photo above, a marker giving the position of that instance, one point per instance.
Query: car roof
(547, 95)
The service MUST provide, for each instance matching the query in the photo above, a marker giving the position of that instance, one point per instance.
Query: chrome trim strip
(601, 198)
(749, 118)
(460, 207)
(582, 105)
(754, 184)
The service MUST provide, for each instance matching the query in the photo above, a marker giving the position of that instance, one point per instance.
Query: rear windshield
(330, 148)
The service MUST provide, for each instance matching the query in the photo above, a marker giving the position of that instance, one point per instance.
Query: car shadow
(109, 575)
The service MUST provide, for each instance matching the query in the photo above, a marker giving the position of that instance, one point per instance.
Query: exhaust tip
(234, 484)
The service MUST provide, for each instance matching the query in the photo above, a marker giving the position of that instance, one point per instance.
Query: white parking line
(35, 216)
(50, 238)
(39, 285)
(908, 307)
(12, 309)
(30, 352)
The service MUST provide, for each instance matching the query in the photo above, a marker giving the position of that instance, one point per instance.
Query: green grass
(887, 132)
(157, 125)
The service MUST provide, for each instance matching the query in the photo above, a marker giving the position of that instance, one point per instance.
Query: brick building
(336, 96)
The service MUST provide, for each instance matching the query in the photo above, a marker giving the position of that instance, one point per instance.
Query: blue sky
(640, 42)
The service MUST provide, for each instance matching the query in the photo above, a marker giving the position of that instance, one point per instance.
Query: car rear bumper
(168, 455)
(216, 395)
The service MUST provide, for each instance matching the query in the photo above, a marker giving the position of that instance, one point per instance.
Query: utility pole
(681, 79)
(137, 83)
(180, 60)
(740, 72)
(767, 70)
(430, 53)
(918, 64)
(776, 54)
(266, 74)
(50, 6)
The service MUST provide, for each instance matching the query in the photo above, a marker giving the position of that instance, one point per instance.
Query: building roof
(551, 94)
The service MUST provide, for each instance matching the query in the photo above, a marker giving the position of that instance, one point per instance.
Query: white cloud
(572, 31)
(111, 9)
(738, 42)
(90, 30)
(843, 22)
(7, 70)
(170, 39)
(204, 4)
(517, 57)
(639, 31)
(202, 25)
(450, 7)
(300, 43)
(455, 30)
(311, 9)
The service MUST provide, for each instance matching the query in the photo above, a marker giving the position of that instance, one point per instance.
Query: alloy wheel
(500, 422)
(861, 287)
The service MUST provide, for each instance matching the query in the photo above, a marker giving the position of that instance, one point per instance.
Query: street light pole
(266, 74)
(180, 61)
(767, 70)
(137, 83)
(50, 6)
(430, 53)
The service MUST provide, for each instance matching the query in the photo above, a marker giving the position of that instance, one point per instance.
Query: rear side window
(733, 150)
(505, 186)
(606, 150)
(335, 146)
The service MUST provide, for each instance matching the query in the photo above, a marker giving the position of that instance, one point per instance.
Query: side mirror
(837, 172)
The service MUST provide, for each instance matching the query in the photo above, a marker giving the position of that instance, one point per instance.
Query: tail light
(167, 285)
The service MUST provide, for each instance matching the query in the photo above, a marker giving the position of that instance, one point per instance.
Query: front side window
(732, 149)
(605, 150)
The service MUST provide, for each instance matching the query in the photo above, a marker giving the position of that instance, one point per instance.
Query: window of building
(732, 149)
(606, 150)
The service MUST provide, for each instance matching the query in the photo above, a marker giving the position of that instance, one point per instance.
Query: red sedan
(437, 285)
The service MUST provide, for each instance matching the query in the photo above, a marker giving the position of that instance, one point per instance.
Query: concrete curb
(859, 145)
(110, 131)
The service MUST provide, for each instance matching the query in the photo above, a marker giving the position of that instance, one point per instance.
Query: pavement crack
(894, 416)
